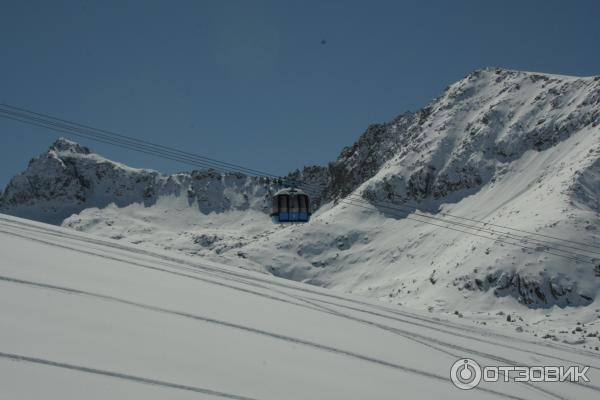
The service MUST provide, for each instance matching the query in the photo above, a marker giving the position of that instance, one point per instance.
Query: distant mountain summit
(63, 146)
(396, 212)
(69, 178)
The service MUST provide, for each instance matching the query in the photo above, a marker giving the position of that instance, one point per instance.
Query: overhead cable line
(541, 242)
(43, 118)
(578, 258)
(121, 140)
(66, 127)
(146, 147)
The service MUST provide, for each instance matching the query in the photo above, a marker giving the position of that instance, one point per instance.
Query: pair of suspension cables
(568, 249)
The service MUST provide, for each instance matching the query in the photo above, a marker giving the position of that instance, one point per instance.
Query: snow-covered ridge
(512, 148)
(467, 136)
(459, 141)
(70, 178)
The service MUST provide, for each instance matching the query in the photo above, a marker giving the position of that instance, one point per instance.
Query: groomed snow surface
(90, 318)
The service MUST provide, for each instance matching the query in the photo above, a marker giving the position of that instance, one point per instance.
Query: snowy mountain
(70, 178)
(84, 317)
(515, 149)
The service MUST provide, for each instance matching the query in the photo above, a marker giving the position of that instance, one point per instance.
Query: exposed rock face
(361, 161)
(533, 292)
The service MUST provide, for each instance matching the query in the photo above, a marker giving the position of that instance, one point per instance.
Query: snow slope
(515, 149)
(84, 317)
(511, 148)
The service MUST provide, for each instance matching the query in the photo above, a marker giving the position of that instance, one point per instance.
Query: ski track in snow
(28, 231)
(118, 375)
(244, 328)
(423, 340)
(180, 264)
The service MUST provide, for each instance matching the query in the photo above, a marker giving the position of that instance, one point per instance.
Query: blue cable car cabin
(290, 205)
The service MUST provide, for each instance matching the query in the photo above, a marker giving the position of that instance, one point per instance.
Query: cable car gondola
(290, 205)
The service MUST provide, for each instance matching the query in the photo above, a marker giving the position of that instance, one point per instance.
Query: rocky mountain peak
(70, 178)
(63, 145)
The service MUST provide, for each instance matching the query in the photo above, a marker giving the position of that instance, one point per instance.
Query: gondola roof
(290, 191)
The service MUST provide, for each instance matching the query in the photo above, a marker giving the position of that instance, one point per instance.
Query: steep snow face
(69, 178)
(480, 125)
(515, 149)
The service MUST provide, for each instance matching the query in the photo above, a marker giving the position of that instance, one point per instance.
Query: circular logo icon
(465, 374)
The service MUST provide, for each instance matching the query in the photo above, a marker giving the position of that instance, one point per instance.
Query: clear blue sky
(250, 82)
